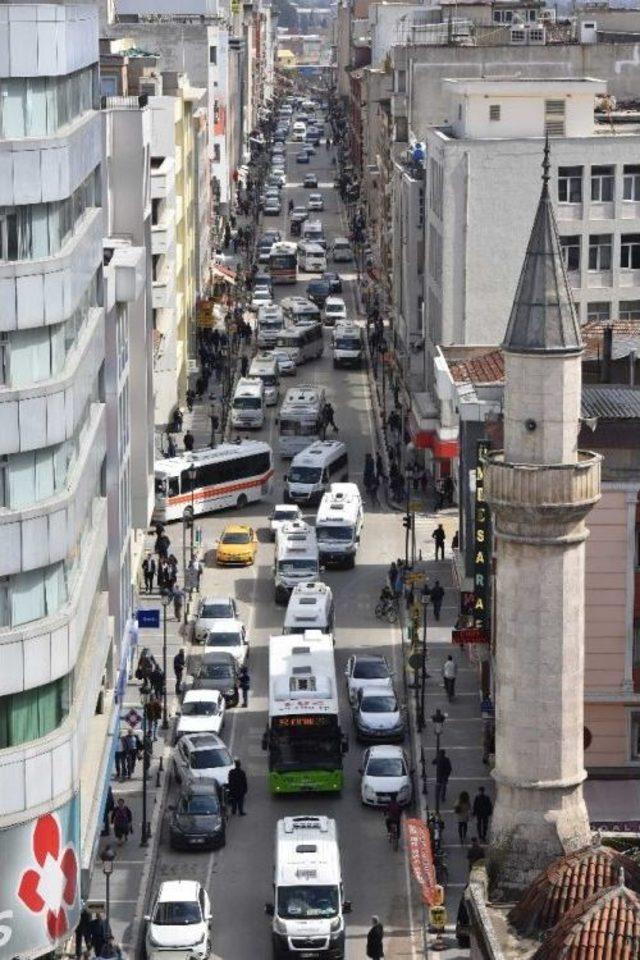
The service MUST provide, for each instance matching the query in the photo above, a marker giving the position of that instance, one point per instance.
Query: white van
(270, 323)
(247, 406)
(302, 342)
(342, 252)
(312, 471)
(296, 558)
(311, 257)
(339, 523)
(266, 369)
(300, 310)
(309, 906)
(299, 132)
(310, 607)
(312, 232)
(347, 345)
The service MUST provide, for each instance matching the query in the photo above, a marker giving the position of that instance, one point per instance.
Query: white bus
(300, 310)
(270, 323)
(310, 607)
(248, 403)
(301, 419)
(347, 345)
(311, 258)
(231, 475)
(296, 558)
(303, 342)
(266, 369)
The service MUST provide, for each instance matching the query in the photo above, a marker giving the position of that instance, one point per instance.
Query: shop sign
(469, 635)
(481, 543)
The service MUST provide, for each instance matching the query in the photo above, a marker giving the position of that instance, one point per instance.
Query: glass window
(600, 252)
(635, 735)
(602, 181)
(570, 184)
(12, 108)
(629, 310)
(630, 251)
(631, 181)
(571, 252)
(32, 714)
(599, 311)
(27, 595)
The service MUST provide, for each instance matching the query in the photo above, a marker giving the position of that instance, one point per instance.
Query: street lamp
(424, 599)
(193, 473)
(107, 855)
(144, 700)
(166, 600)
(438, 720)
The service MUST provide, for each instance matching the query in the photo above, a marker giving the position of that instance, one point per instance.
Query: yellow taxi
(238, 544)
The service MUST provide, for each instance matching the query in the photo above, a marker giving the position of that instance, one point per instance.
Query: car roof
(172, 891)
(376, 692)
(217, 599)
(236, 528)
(203, 741)
(370, 656)
(218, 656)
(386, 750)
(336, 300)
(224, 624)
(199, 696)
(198, 788)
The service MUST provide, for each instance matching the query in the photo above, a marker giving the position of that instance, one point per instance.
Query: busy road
(238, 877)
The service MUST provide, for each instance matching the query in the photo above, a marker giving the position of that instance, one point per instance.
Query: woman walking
(462, 811)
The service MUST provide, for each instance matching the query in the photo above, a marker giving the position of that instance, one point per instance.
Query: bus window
(174, 487)
(161, 487)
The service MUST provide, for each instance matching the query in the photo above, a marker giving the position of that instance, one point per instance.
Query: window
(570, 184)
(570, 252)
(629, 310)
(631, 182)
(600, 252)
(38, 106)
(401, 81)
(630, 251)
(494, 111)
(213, 55)
(636, 656)
(402, 130)
(602, 184)
(32, 714)
(600, 311)
(634, 717)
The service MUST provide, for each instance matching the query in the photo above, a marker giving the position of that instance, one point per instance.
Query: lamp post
(424, 600)
(166, 600)
(193, 473)
(144, 699)
(438, 720)
(107, 855)
(213, 417)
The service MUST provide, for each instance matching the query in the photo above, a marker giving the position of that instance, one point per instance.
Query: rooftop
(610, 402)
(486, 368)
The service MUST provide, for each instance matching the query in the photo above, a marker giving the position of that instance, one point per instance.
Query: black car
(263, 278)
(216, 671)
(310, 181)
(334, 281)
(318, 291)
(199, 818)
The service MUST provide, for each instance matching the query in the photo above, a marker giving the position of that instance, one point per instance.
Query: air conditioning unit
(588, 31)
(150, 86)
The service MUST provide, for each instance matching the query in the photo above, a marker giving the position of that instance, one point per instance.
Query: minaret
(540, 489)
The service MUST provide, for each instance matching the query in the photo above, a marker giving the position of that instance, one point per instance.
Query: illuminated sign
(290, 722)
(481, 543)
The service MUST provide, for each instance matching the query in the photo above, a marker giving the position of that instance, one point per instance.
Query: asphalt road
(239, 876)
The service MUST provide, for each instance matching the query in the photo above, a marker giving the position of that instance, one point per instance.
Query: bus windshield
(347, 343)
(247, 403)
(305, 743)
(334, 533)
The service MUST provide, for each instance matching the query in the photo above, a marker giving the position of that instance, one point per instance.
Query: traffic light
(407, 521)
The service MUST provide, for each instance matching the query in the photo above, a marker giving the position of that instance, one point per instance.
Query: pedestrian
(153, 710)
(177, 420)
(110, 950)
(99, 931)
(132, 745)
(157, 680)
(177, 596)
(195, 566)
(190, 397)
(149, 571)
(199, 386)
(172, 450)
(171, 572)
(474, 853)
(109, 806)
(449, 674)
(329, 416)
(178, 668)
(482, 811)
(245, 684)
(380, 474)
(237, 787)
(462, 811)
(439, 538)
(443, 772)
(392, 575)
(244, 365)
(439, 494)
(162, 545)
(121, 758)
(437, 596)
(375, 939)
(83, 931)
(122, 821)
(409, 596)
(189, 441)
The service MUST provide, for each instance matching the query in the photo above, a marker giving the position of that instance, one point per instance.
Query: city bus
(301, 419)
(231, 475)
(303, 736)
(283, 262)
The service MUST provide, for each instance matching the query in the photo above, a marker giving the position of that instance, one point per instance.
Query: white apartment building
(56, 704)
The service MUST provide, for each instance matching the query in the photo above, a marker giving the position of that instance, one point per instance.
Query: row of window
(240, 468)
(40, 106)
(601, 252)
(31, 714)
(602, 181)
(38, 230)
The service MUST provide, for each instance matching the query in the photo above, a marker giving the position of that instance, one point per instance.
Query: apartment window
(401, 81)
(570, 184)
(494, 111)
(599, 311)
(634, 718)
(631, 182)
(216, 153)
(213, 55)
(38, 106)
(402, 130)
(629, 310)
(31, 714)
(602, 184)
(600, 252)
(630, 251)
(570, 252)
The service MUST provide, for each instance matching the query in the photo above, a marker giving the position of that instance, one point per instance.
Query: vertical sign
(482, 545)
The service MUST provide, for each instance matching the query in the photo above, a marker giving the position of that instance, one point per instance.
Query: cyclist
(393, 814)
(386, 596)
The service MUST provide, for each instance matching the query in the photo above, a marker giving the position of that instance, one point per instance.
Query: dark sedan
(318, 291)
(198, 819)
(334, 281)
(216, 671)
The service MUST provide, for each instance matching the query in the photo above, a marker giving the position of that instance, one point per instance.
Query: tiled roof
(626, 337)
(610, 401)
(569, 881)
(606, 926)
(487, 368)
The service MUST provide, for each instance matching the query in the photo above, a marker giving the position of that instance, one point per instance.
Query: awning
(223, 273)
(429, 440)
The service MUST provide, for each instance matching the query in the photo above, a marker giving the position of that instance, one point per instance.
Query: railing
(532, 485)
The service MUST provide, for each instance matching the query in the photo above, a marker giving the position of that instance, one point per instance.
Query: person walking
(190, 397)
(439, 537)
(122, 822)
(121, 758)
(329, 420)
(189, 441)
(177, 595)
(245, 684)
(237, 786)
(179, 662)
(482, 811)
(132, 746)
(474, 853)
(83, 931)
(109, 807)
(443, 772)
(157, 680)
(375, 939)
(195, 566)
(153, 711)
(149, 572)
(437, 596)
(462, 811)
(99, 931)
(449, 674)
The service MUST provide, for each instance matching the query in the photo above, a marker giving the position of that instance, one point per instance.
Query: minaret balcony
(562, 491)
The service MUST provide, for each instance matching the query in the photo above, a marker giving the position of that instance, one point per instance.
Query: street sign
(132, 717)
(418, 578)
(415, 661)
(415, 505)
(149, 618)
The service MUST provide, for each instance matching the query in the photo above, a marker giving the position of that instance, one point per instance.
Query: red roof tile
(486, 368)
(606, 926)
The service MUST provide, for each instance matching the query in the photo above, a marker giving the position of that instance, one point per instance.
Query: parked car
(202, 756)
(259, 297)
(229, 636)
(214, 671)
(198, 819)
(385, 771)
(180, 922)
(202, 711)
(211, 609)
(378, 717)
(367, 670)
(287, 366)
(272, 207)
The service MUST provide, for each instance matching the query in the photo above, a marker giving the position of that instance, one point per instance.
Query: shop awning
(224, 273)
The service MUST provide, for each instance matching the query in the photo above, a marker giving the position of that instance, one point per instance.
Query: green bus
(303, 736)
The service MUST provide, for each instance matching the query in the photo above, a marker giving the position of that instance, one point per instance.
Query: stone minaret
(540, 489)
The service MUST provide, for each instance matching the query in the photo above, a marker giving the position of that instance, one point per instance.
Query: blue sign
(149, 618)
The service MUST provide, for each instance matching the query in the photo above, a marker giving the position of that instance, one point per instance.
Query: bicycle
(387, 610)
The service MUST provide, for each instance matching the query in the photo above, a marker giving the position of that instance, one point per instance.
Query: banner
(419, 842)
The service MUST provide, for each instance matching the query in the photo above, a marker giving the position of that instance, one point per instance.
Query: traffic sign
(415, 578)
(132, 717)
(415, 505)
(149, 617)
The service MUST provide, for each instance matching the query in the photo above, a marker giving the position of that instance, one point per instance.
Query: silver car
(378, 717)
(211, 609)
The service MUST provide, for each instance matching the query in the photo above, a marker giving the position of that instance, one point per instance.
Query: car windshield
(199, 708)
(299, 903)
(306, 567)
(378, 705)
(334, 308)
(180, 914)
(246, 403)
(370, 670)
(199, 806)
(224, 639)
(348, 343)
(386, 767)
(305, 474)
(284, 514)
(334, 533)
(211, 758)
(217, 611)
(236, 536)
(215, 671)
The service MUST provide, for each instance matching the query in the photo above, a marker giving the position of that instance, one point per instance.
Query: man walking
(439, 537)
(482, 811)
(329, 420)
(99, 931)
(237, 786)
(178, 668)
(132, 745)
(149, 572)
(245, 684)
(189, 441)
(443, 772)
(375, 940)
(437, 596)
(449, 673)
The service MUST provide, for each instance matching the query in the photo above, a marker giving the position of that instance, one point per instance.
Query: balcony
(162, 177)
(162, 236)
(163, 291)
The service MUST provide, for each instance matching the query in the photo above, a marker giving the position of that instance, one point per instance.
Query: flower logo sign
(50, 887)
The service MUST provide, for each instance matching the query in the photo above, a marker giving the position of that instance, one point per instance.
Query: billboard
(40, 882)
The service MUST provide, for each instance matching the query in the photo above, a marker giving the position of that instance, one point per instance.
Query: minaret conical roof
(543, 317)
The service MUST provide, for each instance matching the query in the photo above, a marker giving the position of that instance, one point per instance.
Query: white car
(378, 717)
(211, 609)
(287, 366)
(283, 513)
(272, 207)
(334, 311)
(367, 670)
(385, 771)
(279, 175)
(229, 636)
(202, 712)
(202, 757)
(260, 297)
(179, 924)
(315, 202)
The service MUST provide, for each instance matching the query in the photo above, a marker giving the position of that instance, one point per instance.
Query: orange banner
(419, 840)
